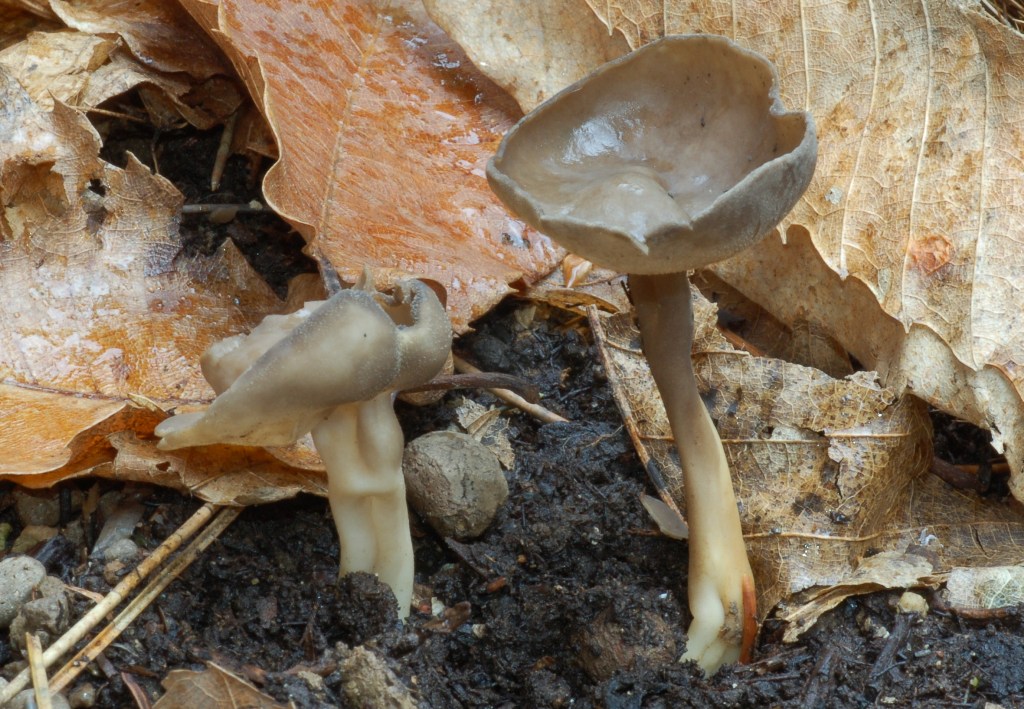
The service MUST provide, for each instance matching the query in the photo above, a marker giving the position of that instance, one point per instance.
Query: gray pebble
(26, 698)
(18, 576)
(47, 617)
(454, 482)
(123, 550)
(122, 514)
(34, 508)
(42, 508)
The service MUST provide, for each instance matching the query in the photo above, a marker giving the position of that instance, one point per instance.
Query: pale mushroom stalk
(669, 159)
(331, 369)
(720, 587)
(361, 446)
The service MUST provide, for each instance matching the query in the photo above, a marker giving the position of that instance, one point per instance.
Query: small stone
(5, 533)
(315, 681)
(27, 698)
(123, 550)
(113, 571)
(46, 617)
(34, 508)
(42, 507)
(605, 647)
(911, 602)
(369, 682)
(82, 697)
(454, 482)
(18, 576)
(121, 513)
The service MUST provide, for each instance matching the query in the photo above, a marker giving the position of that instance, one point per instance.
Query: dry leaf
(826, 470)
(487, 426)
(19, 17)
(57, 65)
(910, 230)
(384, 129)
(178, 72)
(213, 688)
(985, 588)
(887, 570)
(670, 522)
(84, 70)
(160, 34)
(102, 304)
(223, 475)
(518, 35)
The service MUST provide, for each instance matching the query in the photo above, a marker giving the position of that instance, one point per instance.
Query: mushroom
(668, 159)
(331, 368)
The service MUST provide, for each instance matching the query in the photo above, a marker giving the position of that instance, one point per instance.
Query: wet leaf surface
(385, 166)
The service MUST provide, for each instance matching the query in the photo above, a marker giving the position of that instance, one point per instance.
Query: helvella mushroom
(332, 368)
(670, 158)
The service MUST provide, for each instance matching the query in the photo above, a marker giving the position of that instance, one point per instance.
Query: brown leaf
(384, 129)
(102, 305)
(521, 45)
(215, 688)
(19, 17)
(56, 65)
(86, 68)
(224, 475)
(826, 470)
(160, 34)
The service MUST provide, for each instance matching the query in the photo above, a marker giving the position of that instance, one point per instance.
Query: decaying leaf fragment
(886, 570)
(985, 588)
(153, 47)
(214, 687)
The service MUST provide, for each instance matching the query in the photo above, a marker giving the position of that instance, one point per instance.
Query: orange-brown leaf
(384, 129)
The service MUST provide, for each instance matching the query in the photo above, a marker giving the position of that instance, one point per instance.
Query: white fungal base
(719, 571)
(361, 446)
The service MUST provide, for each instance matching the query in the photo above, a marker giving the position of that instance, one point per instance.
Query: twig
(113, 599)
(38, 672)
(484, 380)
(509, 397)
(223, 150)
(961, 478)
(250, 208)
(114, 114)
(148, 594)
(137, 692)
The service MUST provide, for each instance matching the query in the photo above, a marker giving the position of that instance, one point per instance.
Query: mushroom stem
(720, 578)
(361, 446)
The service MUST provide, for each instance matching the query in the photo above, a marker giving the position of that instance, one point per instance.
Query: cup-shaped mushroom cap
(351, 348)
(672, 157)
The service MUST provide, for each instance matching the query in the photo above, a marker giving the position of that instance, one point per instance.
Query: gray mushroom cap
(672, 157)
(276, 384)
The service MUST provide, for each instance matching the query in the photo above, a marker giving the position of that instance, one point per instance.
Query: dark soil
(568, 600)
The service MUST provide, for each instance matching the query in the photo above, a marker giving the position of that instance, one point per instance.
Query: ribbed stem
(361, 446)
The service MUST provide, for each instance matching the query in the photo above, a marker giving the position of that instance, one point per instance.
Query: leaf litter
(971, 525)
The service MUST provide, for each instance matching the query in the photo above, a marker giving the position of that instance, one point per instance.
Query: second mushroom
(673, 157)
(332, 368)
